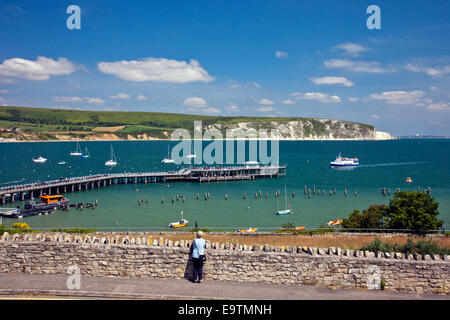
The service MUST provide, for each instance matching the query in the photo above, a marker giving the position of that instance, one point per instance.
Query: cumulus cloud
(121, 96)
(39, 70)
(288, 101)
(333, 80)
(319, 96)
(353, 99)
(266, 102)
(156, 69)
(232, 107)
(195, 102)
(357, 66)
(434, 72)
(281, 54)
(141, 97)
(416, 97)
(94, 100)
(351, 49)
(234, 84)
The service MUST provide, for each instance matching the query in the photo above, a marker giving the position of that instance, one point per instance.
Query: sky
(233, 58)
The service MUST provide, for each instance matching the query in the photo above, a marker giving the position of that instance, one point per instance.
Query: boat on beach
(334, 223)
(342, 162)
(179, 224)
(248, 230)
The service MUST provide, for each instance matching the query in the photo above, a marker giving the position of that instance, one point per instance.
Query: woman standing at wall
(198, 256)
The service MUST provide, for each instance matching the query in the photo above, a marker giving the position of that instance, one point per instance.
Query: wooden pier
(195, 174)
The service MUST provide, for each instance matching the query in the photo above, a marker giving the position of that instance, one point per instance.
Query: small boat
(248, 230)
(296, 228)
(342, 162)
(287, 210)
(62, 162)
(408, 180)
(334, 223)
(179, 224)
(77, 152)
(168, 159)
(112, 162)
(86, 154)
(39, 160)
(191, 155)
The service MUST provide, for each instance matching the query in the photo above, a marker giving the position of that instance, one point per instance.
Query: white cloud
(266, 102)
(288, 101)
(232, 107)
(415, 97)
(357, 66)
(333, 80)
(156, 69)
(351, 49)
(141, 97)
(353, 99)
(441, 106)
(375, 116)
(434, 72)
(205, 110)
(265, 109)
(4, 91)
(2, 99)
(433, 88)
(319, 96)
(94, 100)
(67, 99)
(281, 54)
(195, 102)
(41, 69)
(121, 96)
(234, 84)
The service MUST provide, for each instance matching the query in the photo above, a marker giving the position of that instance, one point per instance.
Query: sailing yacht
(77, 152)
(86, 153)
(287, 210)
(168, 159)
(112, 162)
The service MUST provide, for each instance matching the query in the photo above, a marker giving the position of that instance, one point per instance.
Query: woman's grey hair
(199, 234)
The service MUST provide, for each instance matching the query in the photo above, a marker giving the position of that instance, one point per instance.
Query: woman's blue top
(198, 247)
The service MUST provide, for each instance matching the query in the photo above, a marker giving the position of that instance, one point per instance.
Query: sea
(383, 164)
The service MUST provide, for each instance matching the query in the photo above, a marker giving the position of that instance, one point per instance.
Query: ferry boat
(39, 160)
(342, 162)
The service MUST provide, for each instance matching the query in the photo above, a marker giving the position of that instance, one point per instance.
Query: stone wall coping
(145, 240)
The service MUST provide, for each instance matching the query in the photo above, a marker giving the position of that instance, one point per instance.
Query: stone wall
(125, 256)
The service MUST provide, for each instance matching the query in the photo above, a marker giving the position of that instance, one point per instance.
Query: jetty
(194, 174)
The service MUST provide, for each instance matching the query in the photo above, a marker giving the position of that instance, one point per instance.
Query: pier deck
(194, 174)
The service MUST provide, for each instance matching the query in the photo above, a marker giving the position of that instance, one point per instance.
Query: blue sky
(256, 58)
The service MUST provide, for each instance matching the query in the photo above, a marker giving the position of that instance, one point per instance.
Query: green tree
(371, 218)
(413, 210)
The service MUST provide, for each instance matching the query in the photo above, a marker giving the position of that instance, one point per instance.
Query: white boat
(77, 152)
(287, 210)
(86, 154)
(192, 155)
(39, 160)
(168, 159)
(112, 162)
(179, 224)
(62, 162)
(342, 162)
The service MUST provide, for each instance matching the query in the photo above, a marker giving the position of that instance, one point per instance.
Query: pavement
(46, 286)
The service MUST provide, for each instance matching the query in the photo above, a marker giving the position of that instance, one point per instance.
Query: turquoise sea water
(383, 164)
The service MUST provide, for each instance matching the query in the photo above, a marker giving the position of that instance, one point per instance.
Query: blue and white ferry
(342, 162)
